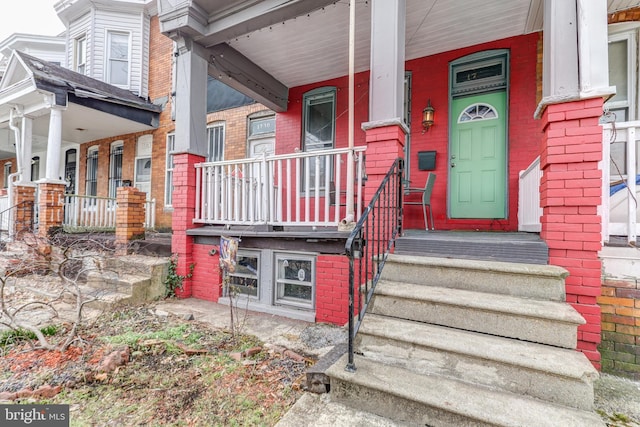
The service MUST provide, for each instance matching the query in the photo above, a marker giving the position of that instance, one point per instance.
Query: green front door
(477, 157)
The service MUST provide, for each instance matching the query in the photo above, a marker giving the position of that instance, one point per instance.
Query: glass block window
(295, 280)
(244, 280)
(478, 112)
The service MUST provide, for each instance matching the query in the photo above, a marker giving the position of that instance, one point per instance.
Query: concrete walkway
(617, 397)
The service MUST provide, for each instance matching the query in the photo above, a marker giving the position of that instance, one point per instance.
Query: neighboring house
(511, 84)
(118, 43)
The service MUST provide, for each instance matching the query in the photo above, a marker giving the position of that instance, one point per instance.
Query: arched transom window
(478, 112)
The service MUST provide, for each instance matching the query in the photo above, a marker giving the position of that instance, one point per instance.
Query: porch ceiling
(303, 41)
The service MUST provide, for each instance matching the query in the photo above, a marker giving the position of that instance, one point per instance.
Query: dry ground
(180, 372)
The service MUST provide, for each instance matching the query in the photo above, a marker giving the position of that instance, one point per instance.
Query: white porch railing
(89, 212)
(150, 214)
(620, 190)
(305, 188)
(529, 210)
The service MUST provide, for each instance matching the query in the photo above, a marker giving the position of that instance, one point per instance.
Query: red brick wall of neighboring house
(160, 77)
(430, 80)
(620, 346)
(235, 127)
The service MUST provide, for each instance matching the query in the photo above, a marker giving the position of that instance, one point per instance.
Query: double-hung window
(319, 123)
(91, 181)
(115, 168)
(215, 138)
(7, 172)
(168, 180)
(80, 62)
(623, 75)
(118, 58)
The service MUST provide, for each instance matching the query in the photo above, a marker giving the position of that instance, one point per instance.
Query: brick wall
(620, 346)
(524, 138)
(235, 127)
(570, 193)
(332, 289)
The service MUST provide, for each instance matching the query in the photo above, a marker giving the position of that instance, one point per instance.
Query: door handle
(453, 165)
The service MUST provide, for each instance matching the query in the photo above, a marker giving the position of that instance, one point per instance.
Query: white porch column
(560, 57)
(191, 99)
(27, 148)
(593, 49)
(387, 60)
(54, 146)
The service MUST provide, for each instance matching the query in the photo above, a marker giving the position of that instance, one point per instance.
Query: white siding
(78, 28)
(130, 23)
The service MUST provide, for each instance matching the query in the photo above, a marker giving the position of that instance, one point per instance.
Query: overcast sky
(29, 16)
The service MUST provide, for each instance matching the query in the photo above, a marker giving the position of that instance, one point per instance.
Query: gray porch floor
(491, 246)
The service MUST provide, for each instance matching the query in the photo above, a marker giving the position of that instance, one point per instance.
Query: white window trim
(311, 305)
(113, 190)
(7, 172)
(260, 291)
(90, 150)
(630, 103)
(168, 198)
(107, 59)
(76, 61)
(210, 126)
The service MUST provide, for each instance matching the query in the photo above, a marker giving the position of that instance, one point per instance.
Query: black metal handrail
(19, 226)
(369, 245)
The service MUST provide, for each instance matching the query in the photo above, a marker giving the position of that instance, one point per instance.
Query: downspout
(350, 175)
(18, 173)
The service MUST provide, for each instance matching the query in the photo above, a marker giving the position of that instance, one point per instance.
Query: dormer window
(118, 58)
(80, 55)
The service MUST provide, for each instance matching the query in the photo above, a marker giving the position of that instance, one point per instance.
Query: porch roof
(296, 42)
(92, 109)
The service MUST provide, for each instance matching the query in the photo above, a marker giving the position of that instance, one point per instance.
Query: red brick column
(384, 145)
(24, 197)
(129, 216)
(570, 194)
(184, 203)
(51, 207)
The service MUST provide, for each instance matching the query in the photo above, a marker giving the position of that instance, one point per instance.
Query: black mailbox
(426, 160)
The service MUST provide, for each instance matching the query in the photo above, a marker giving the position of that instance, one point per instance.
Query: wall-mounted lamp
(427, 116)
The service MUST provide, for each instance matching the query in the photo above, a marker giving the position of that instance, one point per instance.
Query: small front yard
(132, 367)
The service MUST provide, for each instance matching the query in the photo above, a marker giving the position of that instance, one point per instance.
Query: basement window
(295, 280)
(244, 281)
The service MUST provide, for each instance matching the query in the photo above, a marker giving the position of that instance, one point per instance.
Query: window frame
(277, 281)
(80, 54)
(116, 151)
(91, 174)
(631, 101)
(168, 183)
(215, 149)
(7, 171)
(249, 254)
(329, 92)
(109, 59)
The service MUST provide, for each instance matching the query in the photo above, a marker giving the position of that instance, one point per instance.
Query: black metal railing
(18, 218)
(369, 245)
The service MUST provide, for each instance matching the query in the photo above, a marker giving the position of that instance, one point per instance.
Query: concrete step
(433, 400)
(523, 280)
(100, 299)
(490, 246)
(138, 287)
(548, 373)
(545, 322)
